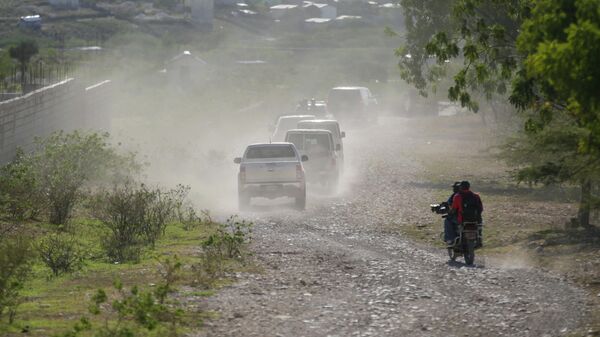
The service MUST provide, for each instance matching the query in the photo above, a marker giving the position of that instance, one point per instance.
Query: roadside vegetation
(536, 57)
(87, 248)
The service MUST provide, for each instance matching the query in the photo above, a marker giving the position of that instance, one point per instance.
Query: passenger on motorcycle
(450, 221)
(467, 205)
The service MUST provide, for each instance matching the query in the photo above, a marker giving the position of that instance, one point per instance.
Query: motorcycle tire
(451, 254)
(470, 253)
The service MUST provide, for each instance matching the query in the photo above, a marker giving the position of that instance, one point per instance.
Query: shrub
(61, 253)
(135, 216)
(161, 210)
(190, 219)
(15, 258)
(225, 244)
(229, 239)
(169, 271)
(19, 198)
(65, 163)
(135, 312)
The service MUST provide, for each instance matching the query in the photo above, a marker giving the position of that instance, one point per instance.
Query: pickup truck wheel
(243, 201)
(301, 201)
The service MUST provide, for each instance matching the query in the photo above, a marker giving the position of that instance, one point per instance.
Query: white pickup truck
(271, 170)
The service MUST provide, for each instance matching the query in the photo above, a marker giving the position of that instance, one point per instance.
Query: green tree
(558, 80)
(471, 40)
(6, 65)
(22, 53)
(65, 163)
(541, 52)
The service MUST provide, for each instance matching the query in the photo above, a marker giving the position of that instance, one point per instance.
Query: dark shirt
(457, 203)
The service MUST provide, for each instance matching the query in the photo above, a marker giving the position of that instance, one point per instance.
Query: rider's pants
(449, 229)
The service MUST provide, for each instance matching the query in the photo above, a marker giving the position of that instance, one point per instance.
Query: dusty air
(297, 168)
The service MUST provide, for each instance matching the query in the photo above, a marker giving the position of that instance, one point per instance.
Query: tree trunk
(23, 66)
(584, 203)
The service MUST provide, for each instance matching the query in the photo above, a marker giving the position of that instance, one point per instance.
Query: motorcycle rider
(450, 221)
(467, 205)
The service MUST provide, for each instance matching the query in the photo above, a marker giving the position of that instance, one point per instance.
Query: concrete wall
(66, 106)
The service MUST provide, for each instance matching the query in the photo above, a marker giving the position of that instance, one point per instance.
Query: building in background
(30, 22)
(320, 10)
(74, 4)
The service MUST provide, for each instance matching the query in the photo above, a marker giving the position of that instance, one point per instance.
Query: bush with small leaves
(229, 238)
(19, 197)
(190, 219)
(135, 312)
(61, 252)
(135, 217)
(225, 244)
(15, 259)
(64, 164)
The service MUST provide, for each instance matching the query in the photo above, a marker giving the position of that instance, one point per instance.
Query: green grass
(51, 305)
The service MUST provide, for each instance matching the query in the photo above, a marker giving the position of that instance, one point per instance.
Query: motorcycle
(468, 239)
(466, 242)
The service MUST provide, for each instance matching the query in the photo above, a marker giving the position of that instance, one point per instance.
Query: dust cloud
(187, 115)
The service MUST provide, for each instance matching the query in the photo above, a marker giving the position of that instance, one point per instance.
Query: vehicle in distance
(285, 123)
(313, 107)
(319, 146)
(352, 103)
(334, 127)
(271, 170)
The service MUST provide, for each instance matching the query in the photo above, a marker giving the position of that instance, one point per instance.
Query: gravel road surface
(342, 268)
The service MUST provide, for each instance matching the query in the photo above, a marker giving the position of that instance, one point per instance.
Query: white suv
(317, 144)
(352, 103)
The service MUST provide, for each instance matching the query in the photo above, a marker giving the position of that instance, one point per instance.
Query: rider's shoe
(450, 243)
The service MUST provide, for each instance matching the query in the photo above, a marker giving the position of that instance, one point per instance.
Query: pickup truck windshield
(262, 152)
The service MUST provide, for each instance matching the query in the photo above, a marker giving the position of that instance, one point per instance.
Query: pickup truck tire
(301, 201)
(243, 201)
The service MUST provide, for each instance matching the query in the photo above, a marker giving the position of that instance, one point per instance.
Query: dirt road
(341, 269)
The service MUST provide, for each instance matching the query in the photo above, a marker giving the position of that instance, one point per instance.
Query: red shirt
(457, 203)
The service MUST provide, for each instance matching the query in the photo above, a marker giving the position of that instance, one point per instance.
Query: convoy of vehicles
(285, 123)
(318, 145)
(271, 170)
(277, 169)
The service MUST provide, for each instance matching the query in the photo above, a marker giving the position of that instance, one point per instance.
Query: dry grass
(523, 225)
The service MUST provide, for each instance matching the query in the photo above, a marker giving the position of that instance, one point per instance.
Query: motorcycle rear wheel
(470, 253)
(451, 254)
